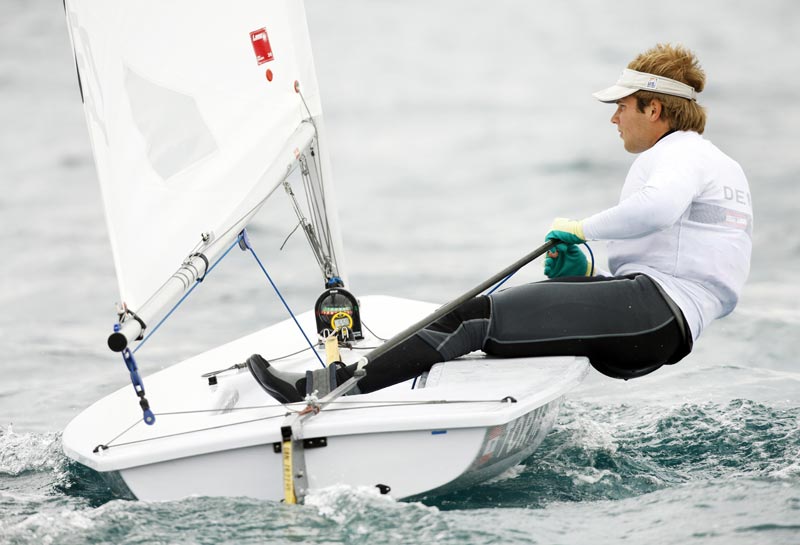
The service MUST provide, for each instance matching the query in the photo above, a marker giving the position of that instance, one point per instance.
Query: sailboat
(197, 115)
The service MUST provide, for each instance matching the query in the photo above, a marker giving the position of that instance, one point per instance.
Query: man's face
(636, 128)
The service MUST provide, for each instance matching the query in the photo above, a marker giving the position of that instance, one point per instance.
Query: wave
(599, 463)
(597, 452)
(22, 452)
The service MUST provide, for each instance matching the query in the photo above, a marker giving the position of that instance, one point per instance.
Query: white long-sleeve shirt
(684, 219)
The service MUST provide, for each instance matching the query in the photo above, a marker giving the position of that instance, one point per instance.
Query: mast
(332, 216)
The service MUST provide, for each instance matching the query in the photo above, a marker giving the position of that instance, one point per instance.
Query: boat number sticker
(261, 45)
(505, 440)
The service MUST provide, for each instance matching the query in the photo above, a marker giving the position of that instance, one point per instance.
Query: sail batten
(189, 106)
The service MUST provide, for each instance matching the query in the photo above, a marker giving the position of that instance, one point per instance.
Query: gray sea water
(458, 130)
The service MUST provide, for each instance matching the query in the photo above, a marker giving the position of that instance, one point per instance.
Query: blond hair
(681, 64)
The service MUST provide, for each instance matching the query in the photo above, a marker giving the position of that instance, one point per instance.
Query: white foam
(510, 473)
(20, 452)
(341, 503)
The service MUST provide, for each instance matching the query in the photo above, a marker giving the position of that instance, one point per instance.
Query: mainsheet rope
(245, 241)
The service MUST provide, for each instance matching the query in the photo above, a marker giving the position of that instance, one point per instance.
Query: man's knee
(477, 308)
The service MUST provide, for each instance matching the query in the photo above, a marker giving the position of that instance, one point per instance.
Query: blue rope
(591, 253)
(243, 238)
(185, 295)
(503, 281)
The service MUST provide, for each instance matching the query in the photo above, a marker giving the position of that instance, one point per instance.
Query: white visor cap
(631, 81)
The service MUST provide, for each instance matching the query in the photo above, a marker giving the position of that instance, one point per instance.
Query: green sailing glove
(566, 230)
(566, 260)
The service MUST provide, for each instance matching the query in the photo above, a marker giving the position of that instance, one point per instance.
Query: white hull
(221, 441)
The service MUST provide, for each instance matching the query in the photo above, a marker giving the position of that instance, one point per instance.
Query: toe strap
(321, 382)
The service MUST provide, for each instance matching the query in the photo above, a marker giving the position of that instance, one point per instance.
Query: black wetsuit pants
(625, 325)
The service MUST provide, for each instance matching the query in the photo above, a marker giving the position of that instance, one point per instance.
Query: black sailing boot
(292, 387)
(279, 384)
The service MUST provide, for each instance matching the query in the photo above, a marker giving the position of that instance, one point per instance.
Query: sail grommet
(296, 86)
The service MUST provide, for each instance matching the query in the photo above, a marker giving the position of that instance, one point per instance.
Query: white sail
(188, 106)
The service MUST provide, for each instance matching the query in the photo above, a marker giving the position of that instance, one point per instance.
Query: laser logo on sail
(261, 46)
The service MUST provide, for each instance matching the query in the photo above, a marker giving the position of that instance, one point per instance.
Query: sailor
(679, 245)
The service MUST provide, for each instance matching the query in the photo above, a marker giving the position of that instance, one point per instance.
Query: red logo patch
(261, 45)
